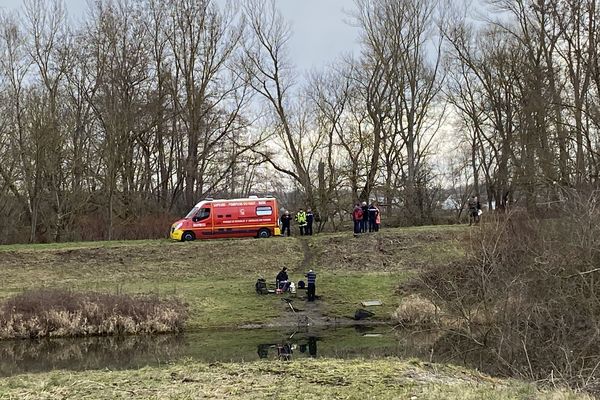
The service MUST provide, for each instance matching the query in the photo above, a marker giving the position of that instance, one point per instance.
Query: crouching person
(282, 280)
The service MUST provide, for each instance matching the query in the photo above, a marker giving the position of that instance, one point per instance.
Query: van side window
(203, 213)
(264, 210)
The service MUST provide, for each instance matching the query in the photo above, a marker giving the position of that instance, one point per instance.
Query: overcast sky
(320, 33)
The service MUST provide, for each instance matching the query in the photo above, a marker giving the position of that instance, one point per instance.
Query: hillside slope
(217, 277)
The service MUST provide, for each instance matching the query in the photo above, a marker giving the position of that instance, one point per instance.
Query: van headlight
(179, 225)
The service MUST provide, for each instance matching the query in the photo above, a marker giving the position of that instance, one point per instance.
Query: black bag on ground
(261, 286)
(301, 285)
(362, 314)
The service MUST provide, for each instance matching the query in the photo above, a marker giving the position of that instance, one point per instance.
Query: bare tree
(402, 88)
(266, 62)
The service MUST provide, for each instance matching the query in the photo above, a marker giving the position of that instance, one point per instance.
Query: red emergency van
(250, 217)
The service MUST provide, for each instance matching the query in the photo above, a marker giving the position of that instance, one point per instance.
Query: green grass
(216, 278)
(306, 378)
(343, 292)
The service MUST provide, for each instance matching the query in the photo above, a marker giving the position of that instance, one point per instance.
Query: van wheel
(188, 236)
(264, 233)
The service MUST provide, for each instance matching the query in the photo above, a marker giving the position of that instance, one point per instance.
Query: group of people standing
(367, 218)
(304, 219)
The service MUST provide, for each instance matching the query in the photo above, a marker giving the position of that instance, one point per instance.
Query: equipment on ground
(261, 287)
(361, 314)
(369, 303)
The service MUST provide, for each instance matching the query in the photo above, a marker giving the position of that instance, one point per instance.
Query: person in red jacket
(357, 217)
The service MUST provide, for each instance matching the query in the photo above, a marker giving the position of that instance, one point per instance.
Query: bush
(529, 292)
(414, 310)
(59, 313)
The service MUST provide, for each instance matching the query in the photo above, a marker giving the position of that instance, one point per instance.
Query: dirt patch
(308, 255)
(307, 314)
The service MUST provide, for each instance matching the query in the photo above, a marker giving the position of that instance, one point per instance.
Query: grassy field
(216, 278)
(306, 378)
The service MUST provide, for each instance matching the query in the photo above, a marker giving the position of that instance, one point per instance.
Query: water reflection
(24, 356)
(20, 356)
(312, 346)
(284, 351)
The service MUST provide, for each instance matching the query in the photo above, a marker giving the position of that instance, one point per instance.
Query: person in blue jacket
(311, 288)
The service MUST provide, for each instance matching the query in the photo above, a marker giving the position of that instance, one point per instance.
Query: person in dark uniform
(365, 221)
(311, 287)
(282, 280)
(310, 218)
(286, 220)
(373, 213)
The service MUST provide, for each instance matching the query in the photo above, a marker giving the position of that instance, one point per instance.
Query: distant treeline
(111, 127)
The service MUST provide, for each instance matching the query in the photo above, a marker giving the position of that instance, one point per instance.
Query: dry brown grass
(312, 378)
(60, 313)
(415, 310)
(390, 250)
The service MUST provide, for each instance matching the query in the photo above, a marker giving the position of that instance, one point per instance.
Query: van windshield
(192, 213)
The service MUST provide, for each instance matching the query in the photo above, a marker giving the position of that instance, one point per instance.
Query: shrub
(59, 313)
(529, 292)
(414, 310)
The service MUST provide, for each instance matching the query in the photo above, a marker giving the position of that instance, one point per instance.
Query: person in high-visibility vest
(301, 220)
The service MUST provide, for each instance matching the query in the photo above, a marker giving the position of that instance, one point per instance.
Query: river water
(76, 354)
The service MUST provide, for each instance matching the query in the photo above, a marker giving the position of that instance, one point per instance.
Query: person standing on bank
(474, 206)
(310, 218)
(357, 218)
(373, 213)
(365, 221)
(301, 220)
(286, 220)
(311, 287)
